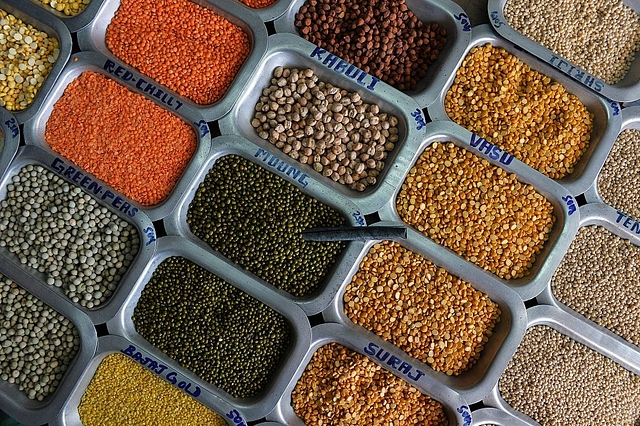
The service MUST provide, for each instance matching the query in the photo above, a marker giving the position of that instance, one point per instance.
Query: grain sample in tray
(520, 110)
(478, 210)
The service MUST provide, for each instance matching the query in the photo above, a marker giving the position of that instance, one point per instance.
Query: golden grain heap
(479, 211)
(520, 110)
(422, 309)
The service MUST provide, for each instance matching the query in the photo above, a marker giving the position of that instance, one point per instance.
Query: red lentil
(186, 47)
(124, 139)
(258, 4)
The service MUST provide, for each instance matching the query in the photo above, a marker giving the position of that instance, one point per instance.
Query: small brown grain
(341, 386)
(422, 309)
(479, 211)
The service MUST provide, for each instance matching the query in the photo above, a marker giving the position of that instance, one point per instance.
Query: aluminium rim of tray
(93, 37)
(578, 330)
(626, 90)
(446, 13)
(34, 129)
(15, 402)
(42, 21)
(254, 407)
(607, 113)
(73, 23)
(32, 155)
(176, 222)
(456, 407)
(291, 51)
(476, 382)
(564, 205)
(11, 139)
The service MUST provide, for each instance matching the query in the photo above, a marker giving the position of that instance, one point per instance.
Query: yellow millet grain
(422, 309)
(520, 110)
(479, 211)
(342, 387)
(123, 393)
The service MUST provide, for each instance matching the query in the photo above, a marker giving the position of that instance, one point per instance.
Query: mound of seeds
(479, 211)
(258, 4)
(186, 47)
(425, 311)
(620, 174)
(558, 381)
(137, 147)
(383, 38)
(122, 392)
(599, 36)
(599, 277)
(68, 7)
(520, 110)
(27, 56)
(255, 218)
(223, 335)
(322, 125)
(38, 343)
(340, 386)
(55, 228)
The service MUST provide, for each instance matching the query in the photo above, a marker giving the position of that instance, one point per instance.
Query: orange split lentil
(478, 210)
(121, 137)
(520, 110)
(181, 45)
(258, 4)
(123, 392)
(342, 387)
(422, 309)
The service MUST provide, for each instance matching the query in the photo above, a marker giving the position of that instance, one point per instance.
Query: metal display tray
(496, 417)
(93, 37)
(630, 120)
(456, 407)
(43, 21)
(33, 155)
(253, 408)
(15, 402)
(111, 344)
(270, 13)
(74, 23)
(11, 139)
(626, 90)
(176, 222)
(478, 381)
(446, 13)
(606, 121)
(34, 129)
(565, 207)
(291, 51)
(578, 330)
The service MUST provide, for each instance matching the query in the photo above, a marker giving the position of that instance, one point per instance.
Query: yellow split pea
(479, 211)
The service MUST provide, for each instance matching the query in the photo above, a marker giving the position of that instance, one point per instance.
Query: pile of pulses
(383, 38)
(599, 36)
(520, 110)
(134, 145)
(425, 311)
(68, 7)
(53, 227)
(620, 174)
(38, 343)
(558, 382)
(255, 218)
(479, 211)
(122, 392)
(181, 45)
(225, 336)
(329, 128)
(599, 277)
(258, 4)
(341, 386)
(27, 56)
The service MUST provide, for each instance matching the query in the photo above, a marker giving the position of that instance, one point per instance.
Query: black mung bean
(220, 333)
(255, 218)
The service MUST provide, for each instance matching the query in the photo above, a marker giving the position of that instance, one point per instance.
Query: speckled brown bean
(384, 37)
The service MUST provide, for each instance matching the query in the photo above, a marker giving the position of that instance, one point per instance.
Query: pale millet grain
(422, 309)
(479, 211)
(520, 110)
